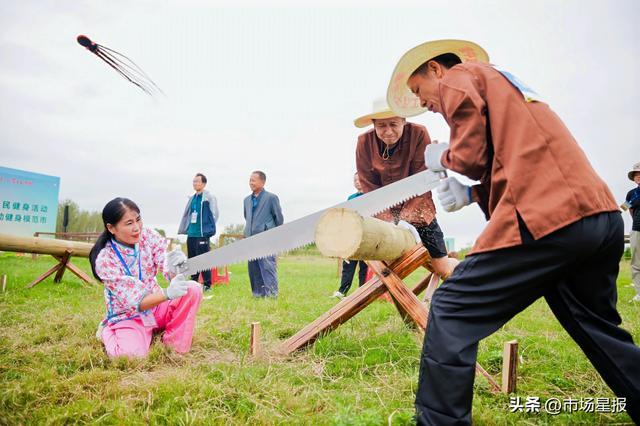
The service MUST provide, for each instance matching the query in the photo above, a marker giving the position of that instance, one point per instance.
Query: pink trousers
(176, 317)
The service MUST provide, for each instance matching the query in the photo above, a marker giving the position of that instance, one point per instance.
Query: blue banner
(28, 202)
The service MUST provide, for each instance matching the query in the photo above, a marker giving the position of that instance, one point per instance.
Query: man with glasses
(199, 223)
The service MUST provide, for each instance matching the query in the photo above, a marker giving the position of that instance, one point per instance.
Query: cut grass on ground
(54, 371)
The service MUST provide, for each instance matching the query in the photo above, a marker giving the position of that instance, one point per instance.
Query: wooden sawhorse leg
(63, 264)
(411, 308)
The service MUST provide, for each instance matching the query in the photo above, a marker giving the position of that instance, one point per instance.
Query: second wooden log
(43, 246)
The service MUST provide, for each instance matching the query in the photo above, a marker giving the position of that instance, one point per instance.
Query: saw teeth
(394, 205)
(278, 252)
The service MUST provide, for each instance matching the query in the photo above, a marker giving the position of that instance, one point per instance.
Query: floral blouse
(123, 292)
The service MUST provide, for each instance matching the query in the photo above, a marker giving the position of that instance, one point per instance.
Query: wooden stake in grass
(4, 283)
(509, 366)
(343, 233)
(254, 343)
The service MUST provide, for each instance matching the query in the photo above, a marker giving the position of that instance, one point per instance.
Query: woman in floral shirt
(126, 259)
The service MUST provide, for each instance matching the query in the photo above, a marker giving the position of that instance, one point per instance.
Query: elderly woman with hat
(392, 150)
(555, 230)
(632, 203)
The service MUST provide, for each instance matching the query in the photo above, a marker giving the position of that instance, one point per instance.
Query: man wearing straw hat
(632, 203)
(393, 150)
(554, 231)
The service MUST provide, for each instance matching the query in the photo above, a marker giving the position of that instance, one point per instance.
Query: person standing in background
(199, 223)
(633, 204)
(262, 212)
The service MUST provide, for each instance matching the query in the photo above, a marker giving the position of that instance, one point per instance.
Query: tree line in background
(88, 221)
(79, 220)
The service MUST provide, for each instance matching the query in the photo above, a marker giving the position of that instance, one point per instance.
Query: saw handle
(183, 267)
(443, 174)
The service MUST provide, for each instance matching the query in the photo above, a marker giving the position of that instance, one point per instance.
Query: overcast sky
(277, 88)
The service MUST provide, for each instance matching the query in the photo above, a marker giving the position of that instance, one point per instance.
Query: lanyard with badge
(194, 212)
(635, 196)
(147, 319)
(124, 264)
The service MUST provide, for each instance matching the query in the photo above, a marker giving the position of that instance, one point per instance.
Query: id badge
(148, 319)
(194, 217)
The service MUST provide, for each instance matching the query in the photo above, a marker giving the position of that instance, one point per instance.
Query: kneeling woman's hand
(177, 288)
(173, 259)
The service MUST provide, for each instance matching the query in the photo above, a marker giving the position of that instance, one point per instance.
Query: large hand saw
(301, 232)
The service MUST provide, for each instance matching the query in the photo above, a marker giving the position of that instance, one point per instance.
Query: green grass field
(54, 371)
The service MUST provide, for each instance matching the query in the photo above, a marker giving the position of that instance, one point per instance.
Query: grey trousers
(263, 276)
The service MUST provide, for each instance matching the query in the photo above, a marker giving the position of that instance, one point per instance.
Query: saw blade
(301, 232)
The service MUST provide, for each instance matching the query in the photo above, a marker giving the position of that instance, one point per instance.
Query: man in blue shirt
(199, 223)
(633, 204)
(262, 212)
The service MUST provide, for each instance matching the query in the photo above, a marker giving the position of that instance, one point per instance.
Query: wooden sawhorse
(64, 263)
(388, 279)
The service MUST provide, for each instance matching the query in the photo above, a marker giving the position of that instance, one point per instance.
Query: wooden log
(509, 366)
(254, 343)
(343, 233)
(43, 246)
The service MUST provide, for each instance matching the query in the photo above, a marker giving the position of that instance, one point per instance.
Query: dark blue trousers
(574, 269)
(195, 247)
(348, 271)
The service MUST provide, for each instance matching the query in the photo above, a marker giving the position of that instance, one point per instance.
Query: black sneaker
(206, 287)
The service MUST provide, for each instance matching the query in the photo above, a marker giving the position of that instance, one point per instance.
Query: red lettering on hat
(468, 53)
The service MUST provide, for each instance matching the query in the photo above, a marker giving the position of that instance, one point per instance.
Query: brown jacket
(526, 160)
(408, 158)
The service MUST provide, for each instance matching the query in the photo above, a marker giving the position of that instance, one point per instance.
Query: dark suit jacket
(268, 213)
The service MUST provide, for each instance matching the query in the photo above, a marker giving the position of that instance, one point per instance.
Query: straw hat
(636, 168)
(399, 97)
(380, 110)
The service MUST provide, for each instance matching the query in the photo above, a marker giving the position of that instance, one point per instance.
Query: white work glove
(453, 195)
(177, 288)
(433, 154)
(172, 259)
(412, 229)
